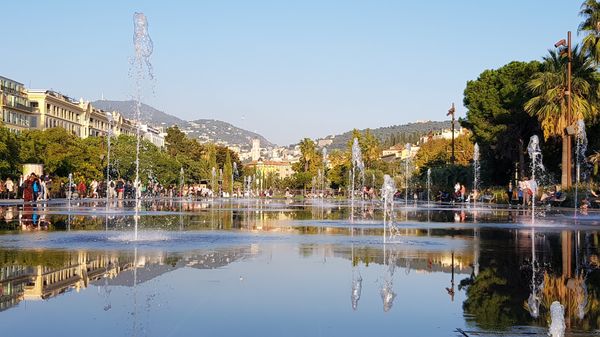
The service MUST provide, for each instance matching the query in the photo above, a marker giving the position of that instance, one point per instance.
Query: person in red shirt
(81, 189)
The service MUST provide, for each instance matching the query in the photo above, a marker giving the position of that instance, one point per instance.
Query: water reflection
(474, 275)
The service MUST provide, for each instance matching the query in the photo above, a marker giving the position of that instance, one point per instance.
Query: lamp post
(451, 113)
(566, 178)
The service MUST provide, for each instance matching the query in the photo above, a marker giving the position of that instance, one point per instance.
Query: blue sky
(285, 69)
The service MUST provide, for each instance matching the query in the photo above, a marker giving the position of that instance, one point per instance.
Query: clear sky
(285, 69)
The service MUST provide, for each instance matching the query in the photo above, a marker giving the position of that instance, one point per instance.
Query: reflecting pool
(277, 268)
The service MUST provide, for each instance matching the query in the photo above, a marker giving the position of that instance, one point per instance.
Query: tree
(549, 103)
(497, 119)
(590, 27)
(369, 146)
(9, 153)
(62, 153)
(227, 174)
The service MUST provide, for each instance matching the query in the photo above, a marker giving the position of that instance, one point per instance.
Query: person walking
(43, 189)
(81, 189)
(120, 188)
(35, 186)
(509, 192)
(10, 187)
(27, 189)
(94, 189)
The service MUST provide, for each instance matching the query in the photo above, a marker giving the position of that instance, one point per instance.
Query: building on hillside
(398, 152)
(255, 151)
(153, 135)
(16, 112)
(444, 134)
(321, 143)
(282, 168)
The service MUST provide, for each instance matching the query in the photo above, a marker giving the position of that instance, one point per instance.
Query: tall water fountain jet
(580, 150)
(181, 181)
(324, 153)
(143, 50)
(221, 180)
(407, 173)
(428, 186)
(357, 163)
(535, 154)
(234, 174)
(387, 193)
(109, 116)
(557, 320)
(476, 168)
(213, 178)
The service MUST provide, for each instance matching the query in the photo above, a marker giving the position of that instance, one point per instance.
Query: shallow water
(272, 268)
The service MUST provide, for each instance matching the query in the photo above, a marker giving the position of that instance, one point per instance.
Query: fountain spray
(143, 50)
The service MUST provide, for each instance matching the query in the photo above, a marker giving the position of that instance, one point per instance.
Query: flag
(451, 111)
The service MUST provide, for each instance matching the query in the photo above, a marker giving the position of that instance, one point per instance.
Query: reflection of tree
(493, 301)
(580, 299)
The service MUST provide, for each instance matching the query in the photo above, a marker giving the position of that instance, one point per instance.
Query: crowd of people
(30, 188)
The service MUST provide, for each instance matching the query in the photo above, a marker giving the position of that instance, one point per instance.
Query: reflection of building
(65, 271)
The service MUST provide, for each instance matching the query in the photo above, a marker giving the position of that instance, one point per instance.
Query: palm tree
(590, 11)
(549, 103)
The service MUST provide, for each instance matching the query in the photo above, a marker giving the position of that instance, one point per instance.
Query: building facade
(15, 111)
(22, 109)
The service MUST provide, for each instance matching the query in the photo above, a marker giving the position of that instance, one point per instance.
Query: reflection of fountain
(557, 323)
(581, 148)
(387, 289)
(533, 302)
(356, 283)
(476, 177)
(535, 154)
(451, 289)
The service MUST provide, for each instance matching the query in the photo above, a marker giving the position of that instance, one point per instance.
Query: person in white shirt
(10, 187)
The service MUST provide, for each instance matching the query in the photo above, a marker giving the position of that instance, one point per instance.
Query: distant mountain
(414, 130)
(206, 130)
(149, 114)
(219, 131)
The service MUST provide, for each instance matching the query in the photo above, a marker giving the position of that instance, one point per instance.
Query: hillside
(384, 133)
(206, 130)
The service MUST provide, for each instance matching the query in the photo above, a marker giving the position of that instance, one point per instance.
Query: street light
(451, 112)
(565, 48)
